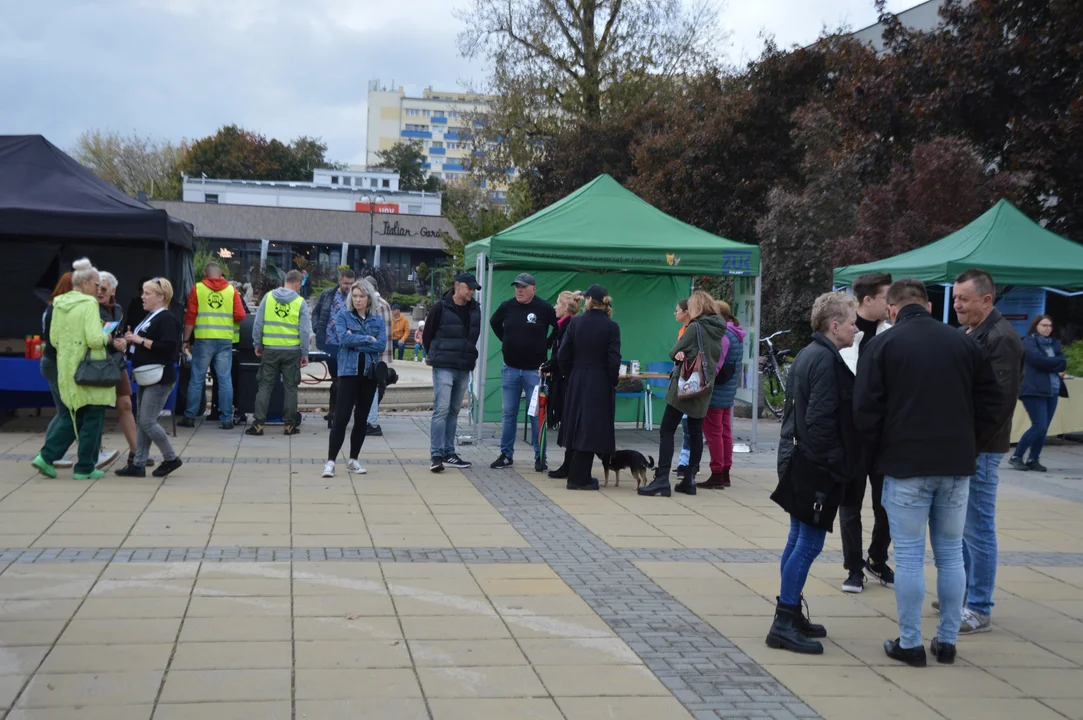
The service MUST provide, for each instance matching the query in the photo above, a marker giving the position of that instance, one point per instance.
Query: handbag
(692, 382)
(97, 373)
(147, 375)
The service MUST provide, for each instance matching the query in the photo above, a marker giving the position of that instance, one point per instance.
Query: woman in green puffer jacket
(76, 326)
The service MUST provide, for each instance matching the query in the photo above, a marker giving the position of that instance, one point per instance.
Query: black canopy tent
(54, 211)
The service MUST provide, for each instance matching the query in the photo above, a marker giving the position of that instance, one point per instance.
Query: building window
(334, 179)
(413, 209)
(373, 183)
(437, 144)
(426, 113)
(452, 114)
(212, 199)
(412, 112)
(386, 183)
(438, 113)
(452, 145)
(419, 128)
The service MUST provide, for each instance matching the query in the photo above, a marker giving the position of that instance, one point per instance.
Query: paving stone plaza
(245, 586)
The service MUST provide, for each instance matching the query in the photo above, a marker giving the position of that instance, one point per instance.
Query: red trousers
(718, 431)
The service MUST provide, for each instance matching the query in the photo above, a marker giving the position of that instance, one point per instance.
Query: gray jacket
(284, 296)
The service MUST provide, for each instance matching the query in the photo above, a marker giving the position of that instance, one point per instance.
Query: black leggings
(671, 420)
(354, 394)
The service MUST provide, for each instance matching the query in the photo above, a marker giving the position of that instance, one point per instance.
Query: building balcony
(416, 134)
(453, 166)
(442, 120)
(452, 136)
(437, 151)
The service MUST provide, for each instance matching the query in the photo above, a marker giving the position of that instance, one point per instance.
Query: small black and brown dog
(627, 460)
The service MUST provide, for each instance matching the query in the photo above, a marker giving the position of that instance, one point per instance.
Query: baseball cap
(524, 279)
(597, 292)
(469, 279)
(395, 306)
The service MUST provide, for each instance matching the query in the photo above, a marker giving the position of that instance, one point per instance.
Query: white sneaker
(355, 467)
(65, 463)
(107, 458)
(329, 469)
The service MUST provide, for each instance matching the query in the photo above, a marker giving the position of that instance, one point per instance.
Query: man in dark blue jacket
(450, 339)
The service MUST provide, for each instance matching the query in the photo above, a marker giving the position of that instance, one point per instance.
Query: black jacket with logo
(925, 399)
(523, 330)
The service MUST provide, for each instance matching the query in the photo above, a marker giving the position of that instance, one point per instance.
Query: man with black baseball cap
(450, 339)
(522, 325)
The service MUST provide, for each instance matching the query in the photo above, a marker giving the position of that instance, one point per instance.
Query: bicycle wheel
(774, 393)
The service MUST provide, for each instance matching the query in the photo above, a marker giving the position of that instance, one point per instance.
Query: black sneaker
(944, 653)
(540, 465)
(501, 462)
(437, 464)
(453, 460)
(227, 425)
(374, 431)
(855, 583)
(1018, 464)
(186, 422)
(130, 470)
(167, 467)
(882, 572)
(1035, 466)
(914, 657)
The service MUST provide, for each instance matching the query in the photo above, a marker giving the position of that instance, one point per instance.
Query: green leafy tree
(237, 154)
(133, 163)
(406, 159)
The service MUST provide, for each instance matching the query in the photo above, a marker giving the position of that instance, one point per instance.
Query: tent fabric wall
(642, 306)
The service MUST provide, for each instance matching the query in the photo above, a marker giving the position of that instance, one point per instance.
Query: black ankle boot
(785, 635)
(687, 485)
(801, 622)
(659, 486)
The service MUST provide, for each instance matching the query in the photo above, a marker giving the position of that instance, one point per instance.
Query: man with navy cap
(522, 324)
(450, 339)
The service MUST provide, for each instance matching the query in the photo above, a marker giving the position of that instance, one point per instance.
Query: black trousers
(850, 524)
(332, 370)
(354, 395)
(579, 466)
(671, 420)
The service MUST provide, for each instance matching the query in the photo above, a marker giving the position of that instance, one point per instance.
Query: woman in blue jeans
(1041, 388)
(818, 454)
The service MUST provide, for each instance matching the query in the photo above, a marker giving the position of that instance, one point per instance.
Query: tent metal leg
(756, 360)
(947, 302)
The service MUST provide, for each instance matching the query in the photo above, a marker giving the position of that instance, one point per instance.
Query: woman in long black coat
(567, 307)
(589, 357)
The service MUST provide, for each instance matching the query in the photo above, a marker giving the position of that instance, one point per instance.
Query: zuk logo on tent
(214, 300)
(672, 259)
(282, 310)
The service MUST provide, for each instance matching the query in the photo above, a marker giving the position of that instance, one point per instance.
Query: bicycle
(774, 367)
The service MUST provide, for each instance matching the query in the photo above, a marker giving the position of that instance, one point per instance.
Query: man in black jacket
(522, 325)
(974, 294)
(925, 401)
(451, 343)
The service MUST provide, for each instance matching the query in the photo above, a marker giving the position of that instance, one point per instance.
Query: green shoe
(43, 467)
(92, 475)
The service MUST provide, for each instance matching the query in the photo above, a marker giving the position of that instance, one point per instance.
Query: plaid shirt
(384, 309)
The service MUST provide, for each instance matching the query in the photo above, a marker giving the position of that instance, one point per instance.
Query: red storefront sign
(389, 208)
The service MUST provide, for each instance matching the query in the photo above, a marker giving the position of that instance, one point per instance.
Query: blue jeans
(1040, 410)
(911, 505)
(513, 383)
(204, 352)
(803, 546)
(448, 386)
(374, 410)
(980, 536)
(400, 348)
(686, 449)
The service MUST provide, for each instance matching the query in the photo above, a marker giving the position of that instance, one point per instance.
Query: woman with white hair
(76, 332)
(110, 312)
(818, 455)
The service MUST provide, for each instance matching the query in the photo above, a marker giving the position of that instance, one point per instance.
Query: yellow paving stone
(107, 658)
(454, 628)
(413, 587)
(429, 603)
(1072, 709)
(90, 688)
(1008, 652)
(480, 682)
(30, 632)
(570, 626)
(1043, 682)
(118, 712)
(370, 708)
(230, 629)
(114, 631)
(756, 648)
(475, 708)
(346, 628)
(272, 710)
(625, 708)
(831, 681)
(511, 605)
(327, 684)
(232, 606)
(466, 653)
(895, 705)
(526, 586)
(232, 655)
(243, 587)
(226, 685)
(342, 605)
(353, 655)
(579, 651)
(957, 681)
(12, 610)
(600, 681)
(132, 608)
(169, 541)
(991, 709)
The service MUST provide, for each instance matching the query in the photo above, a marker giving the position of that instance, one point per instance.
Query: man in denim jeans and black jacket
(975, 294)
(925, 401)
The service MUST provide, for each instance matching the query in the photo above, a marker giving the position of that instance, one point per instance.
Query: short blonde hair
(832, 307)
(369, 293)
(606, 305)
(162, 287)
(572, 299)
(701, 303)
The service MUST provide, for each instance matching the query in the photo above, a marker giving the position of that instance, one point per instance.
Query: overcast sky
(182, 68)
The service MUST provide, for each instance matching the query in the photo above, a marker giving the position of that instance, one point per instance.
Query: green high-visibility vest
(214, 313)
(282, 323)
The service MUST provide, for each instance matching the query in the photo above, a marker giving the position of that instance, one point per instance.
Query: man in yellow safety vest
(281, 335)
(213, 309)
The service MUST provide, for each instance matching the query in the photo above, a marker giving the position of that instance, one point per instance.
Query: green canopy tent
(603, 233)
(1014, 249)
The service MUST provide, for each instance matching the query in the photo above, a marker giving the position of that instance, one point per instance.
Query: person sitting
(400, 330)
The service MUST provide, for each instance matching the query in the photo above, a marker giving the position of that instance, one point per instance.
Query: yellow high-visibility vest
(214, 313)
(282, 323)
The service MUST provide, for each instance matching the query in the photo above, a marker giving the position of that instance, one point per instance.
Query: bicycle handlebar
(775, 335)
